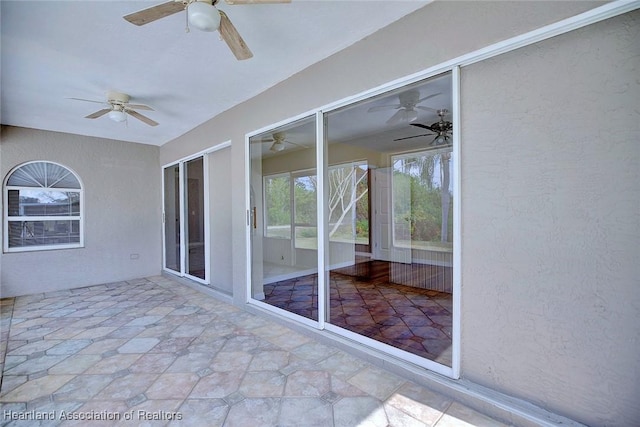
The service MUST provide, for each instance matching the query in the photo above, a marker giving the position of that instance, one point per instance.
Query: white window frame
(24, 218)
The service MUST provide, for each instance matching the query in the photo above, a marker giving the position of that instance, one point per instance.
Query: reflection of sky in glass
(43, 197)
(306, 182)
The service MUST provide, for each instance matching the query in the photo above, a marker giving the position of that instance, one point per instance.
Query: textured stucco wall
(122, 212)
(551, 223)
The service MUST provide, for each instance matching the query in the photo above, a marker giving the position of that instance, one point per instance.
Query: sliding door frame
(323, 235)
(204, 154)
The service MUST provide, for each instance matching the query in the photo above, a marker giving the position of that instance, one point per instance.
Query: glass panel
(305, 208)
(285, 247)
(277, 202)
(43, 174)
(423, 200)
(389, 172)
(172, 217)
(348, 204)
(194, 204)
(43, 233)
(42, 202)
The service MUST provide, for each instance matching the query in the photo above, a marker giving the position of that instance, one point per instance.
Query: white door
(381, 202)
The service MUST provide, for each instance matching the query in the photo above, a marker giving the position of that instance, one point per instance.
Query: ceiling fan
(406, 113)
(442, 129)
(280, 141)
(119, 108)
(203, 15)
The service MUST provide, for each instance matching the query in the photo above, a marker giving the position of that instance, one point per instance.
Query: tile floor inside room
(156, 352)
(406, 317)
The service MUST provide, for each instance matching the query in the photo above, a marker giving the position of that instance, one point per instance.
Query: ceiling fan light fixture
(117, 115)
(277, 146)
(410, 116)
(203, 15)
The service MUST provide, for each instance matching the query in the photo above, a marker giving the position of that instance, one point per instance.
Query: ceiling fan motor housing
(117, 97)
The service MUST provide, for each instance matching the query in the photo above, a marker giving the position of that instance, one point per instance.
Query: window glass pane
(42, 202)
(43, 233)
(277, 194)
(194, 203)
(172, 217)
(284, 255)
(305, 194)
(349, 203)
(423, 199)
(43, 174)
(397, 288)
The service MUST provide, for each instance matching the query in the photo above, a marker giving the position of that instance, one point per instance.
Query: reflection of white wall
(122, 215)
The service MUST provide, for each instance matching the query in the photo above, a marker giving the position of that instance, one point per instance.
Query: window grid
(43, 208)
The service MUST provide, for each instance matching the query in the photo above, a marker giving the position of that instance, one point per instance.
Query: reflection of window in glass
(305, 211)
(277, 199)
(423, 199)
(43, 209)
(349, 203)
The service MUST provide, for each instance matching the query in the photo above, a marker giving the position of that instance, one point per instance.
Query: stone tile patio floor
(156, 352)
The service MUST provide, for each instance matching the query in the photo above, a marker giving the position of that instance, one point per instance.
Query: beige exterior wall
(122, 215)
(551, 220)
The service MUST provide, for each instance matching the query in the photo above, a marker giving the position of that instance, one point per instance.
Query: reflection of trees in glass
(348, 186)
(304, 195)
(278, 204)
(348, 203)
(422, 198)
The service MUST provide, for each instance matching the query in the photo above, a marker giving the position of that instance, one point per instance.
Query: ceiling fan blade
(140, 107)
(87, 100)
(296, 144)
(256, 1)
(428, 97)
(422, 126)
(98, 114)
(396, 118)
(154, 13)
(233, 39)
(435, 110)
(415, 136)
(384, 107)
(140, 117)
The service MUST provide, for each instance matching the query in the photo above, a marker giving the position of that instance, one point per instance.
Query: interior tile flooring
(156, 352)
(409, 318)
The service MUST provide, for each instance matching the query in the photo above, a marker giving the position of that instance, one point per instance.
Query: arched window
(43, 208)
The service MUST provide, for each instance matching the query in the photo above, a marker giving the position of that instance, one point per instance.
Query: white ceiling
(56, 50)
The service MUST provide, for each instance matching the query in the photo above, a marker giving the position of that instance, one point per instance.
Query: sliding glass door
(185, 245)
(357, 235)
(172, 219)
(284, 227)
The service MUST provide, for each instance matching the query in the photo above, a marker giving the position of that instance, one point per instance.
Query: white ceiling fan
(203, 15)
(279, 142)
(406, 113)
(119, 108)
